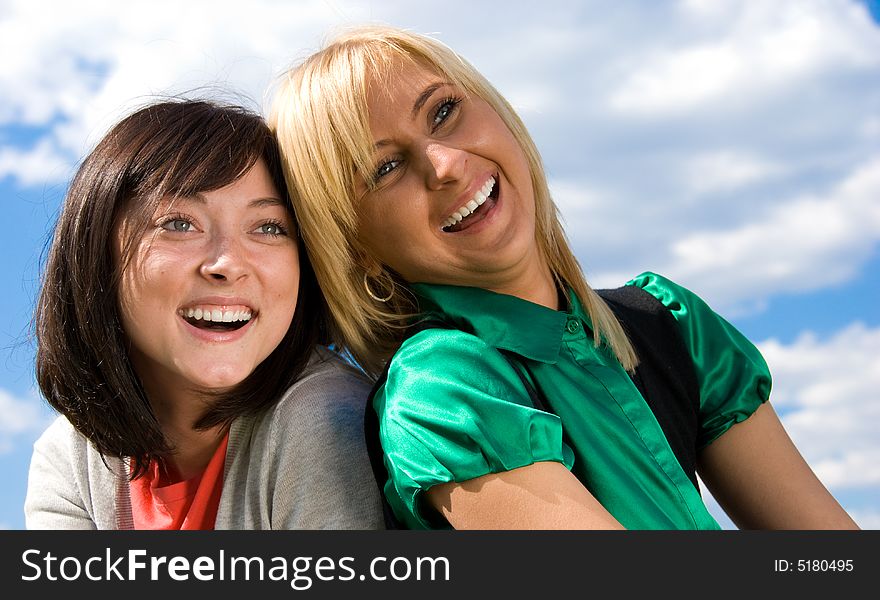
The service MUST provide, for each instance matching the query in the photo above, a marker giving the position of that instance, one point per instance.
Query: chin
(216, 381)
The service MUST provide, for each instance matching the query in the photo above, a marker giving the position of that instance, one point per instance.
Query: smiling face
(453, 201)
(212, 286)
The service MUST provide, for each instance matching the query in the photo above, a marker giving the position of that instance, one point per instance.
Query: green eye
(272, 228)
(180, 225)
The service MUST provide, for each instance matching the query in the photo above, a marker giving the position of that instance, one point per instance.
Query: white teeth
(215, 315)
(472, 205)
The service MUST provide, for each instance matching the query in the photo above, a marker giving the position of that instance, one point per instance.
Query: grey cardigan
(300, 465)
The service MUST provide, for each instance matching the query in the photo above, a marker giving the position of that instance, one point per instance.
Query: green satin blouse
(453, 408)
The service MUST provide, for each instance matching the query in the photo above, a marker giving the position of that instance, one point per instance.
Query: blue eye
(444, 111)
(386, 167)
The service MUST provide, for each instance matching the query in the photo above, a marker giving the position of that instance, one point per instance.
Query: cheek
(134, 310)
(375, 220)
(516, 157)
(131, 290)
(149, 283)
(390, 224)
(150, 277)
(497, 138)
(280, 270)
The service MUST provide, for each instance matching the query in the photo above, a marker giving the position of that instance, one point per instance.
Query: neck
(193, 451)
(535, 284)
(178, 412)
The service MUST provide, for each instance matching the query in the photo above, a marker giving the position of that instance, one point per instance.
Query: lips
(473, 211)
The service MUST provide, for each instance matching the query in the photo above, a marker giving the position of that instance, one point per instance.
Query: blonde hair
(320, 116)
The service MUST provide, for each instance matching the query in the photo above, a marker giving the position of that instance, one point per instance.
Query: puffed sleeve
(733, 377)
(453, 409)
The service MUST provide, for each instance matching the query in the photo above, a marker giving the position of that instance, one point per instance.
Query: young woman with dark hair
(180, 334)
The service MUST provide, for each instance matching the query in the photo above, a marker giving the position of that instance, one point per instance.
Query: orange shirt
(189, 504)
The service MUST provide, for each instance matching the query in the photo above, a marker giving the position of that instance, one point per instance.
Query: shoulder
(302, 464)
(328, 379)
(69, 451)
(436, 361)
(330, 394)
(672, 295)
(440, 375)
(70, 485)
(693, 315)
(697, 321)
(444, 350)
(60, 439)
(732, 375)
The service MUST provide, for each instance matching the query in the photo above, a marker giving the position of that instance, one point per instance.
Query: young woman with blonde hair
(525, 403)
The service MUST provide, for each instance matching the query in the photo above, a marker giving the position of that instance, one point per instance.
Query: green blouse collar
(505, 322)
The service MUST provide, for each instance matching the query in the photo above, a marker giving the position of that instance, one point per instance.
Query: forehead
(255, 183)
(401, 82)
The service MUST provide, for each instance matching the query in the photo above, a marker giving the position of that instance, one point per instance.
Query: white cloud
(577, 202)
(748, 252)
(828, 392)
(763, 48)
(871, 127)
(726, 170)
(752, 170)
(19, 416)
(681, 80)
(93, 61)
(801, 245)
(37, 165)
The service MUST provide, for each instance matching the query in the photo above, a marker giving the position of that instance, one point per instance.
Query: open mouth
(475, 209)
(216, 319)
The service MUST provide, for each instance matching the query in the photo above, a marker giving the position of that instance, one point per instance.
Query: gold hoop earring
(374, 296)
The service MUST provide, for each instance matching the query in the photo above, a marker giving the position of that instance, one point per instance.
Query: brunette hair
(321, 119)
(172, 148)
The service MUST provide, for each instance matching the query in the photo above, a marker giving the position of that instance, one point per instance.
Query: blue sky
(732, 145)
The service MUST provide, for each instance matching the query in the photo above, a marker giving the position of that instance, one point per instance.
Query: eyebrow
(269, 201)
(255, 203)
(417, 106)
(423, 97)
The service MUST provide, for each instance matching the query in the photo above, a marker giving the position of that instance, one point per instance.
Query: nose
(446, 164)
(224, 260)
